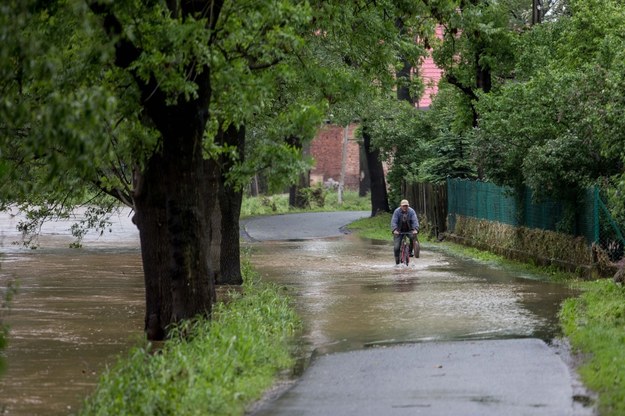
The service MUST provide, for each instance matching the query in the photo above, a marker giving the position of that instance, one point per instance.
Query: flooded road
(77, 309)
(351, 295)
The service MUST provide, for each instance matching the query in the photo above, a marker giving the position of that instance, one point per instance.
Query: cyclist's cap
(404, 202)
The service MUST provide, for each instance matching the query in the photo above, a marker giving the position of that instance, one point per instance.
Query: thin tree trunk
(296, 199)
(403, 75)
(365, 179)
(192, 277)
(343, 163)
(379, 195)
(482, 74)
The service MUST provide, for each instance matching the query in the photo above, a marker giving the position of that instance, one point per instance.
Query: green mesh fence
(588, 217)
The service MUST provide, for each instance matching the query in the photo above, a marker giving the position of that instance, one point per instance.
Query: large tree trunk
(188, 227)
(175, 194)
(173, 222)
(151, 218)
(230, 200)
(177, 182)
(379, 196)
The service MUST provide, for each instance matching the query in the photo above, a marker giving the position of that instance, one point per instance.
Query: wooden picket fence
(430, 202)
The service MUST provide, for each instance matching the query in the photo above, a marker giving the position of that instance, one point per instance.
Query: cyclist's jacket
(404, 221)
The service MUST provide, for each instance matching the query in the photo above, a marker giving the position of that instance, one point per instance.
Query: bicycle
(404, 250)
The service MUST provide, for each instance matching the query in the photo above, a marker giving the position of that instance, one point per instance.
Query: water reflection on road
(351, 295)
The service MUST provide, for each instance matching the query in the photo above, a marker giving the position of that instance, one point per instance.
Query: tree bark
(172, 203)
(379, 195)
(404, 74)
(230, 200)
(150, 219)
(365, 180)
(482, 73)
(296, 199)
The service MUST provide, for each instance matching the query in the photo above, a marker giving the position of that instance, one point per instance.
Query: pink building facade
(327, 146)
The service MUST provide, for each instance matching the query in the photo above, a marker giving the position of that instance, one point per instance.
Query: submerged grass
(217, 368)
(595, 324)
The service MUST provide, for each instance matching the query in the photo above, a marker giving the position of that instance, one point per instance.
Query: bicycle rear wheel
(405, 252)
(417, 248)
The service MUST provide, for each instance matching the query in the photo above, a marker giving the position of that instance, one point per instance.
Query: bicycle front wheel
(405, 253)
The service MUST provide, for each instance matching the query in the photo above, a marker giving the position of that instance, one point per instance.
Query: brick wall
(326, 149)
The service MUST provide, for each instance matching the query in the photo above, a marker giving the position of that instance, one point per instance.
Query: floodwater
(78, 309)
(75, 311)
(351, 295)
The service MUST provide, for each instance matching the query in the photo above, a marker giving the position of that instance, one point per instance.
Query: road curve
(302, 226)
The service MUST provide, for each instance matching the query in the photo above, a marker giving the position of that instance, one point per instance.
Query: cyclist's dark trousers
(397, 244)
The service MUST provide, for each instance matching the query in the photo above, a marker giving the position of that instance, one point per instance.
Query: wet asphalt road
(299, 226)
(486, 377)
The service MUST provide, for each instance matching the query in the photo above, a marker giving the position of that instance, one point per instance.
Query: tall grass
(595, 325)
(215, 367)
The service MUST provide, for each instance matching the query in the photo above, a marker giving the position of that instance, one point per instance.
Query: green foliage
(399, 131)
(264, 205)
(433, 146)
(595, 324)
(554, 154)
(346, 61)
(217, 367)
(423, 146)
(71, 113)
(92, 217)
(554, 128)
(314, 196)
(478, 35)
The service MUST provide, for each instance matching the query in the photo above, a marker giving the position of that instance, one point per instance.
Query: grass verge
(218, 368)
(376, 228)
(595, 325)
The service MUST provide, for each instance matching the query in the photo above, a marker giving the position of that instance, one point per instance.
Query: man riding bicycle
(404, 221)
